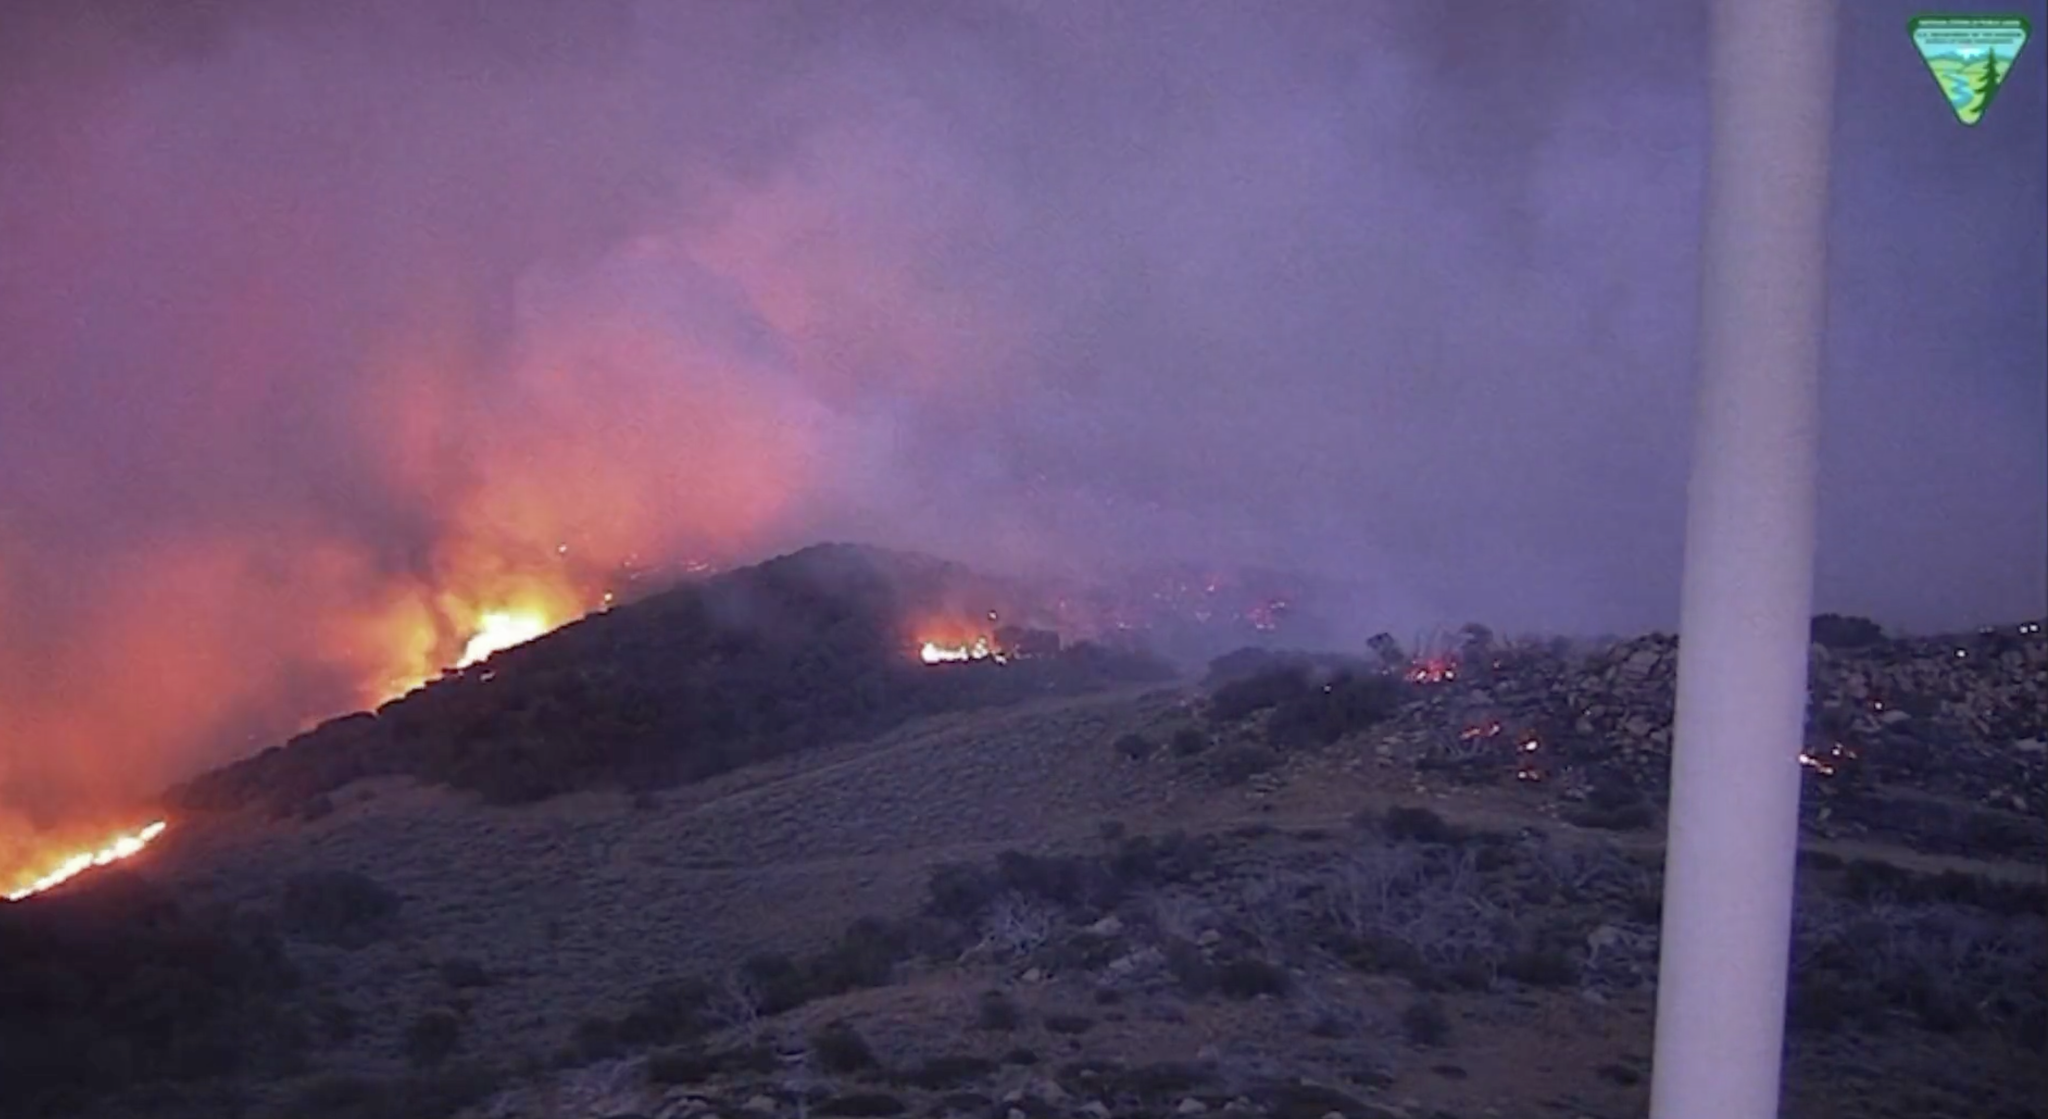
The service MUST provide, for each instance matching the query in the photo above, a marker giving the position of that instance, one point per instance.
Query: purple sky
(305, 317)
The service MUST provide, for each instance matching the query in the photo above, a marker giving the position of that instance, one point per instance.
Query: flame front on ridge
(121, 847)
(501, 629)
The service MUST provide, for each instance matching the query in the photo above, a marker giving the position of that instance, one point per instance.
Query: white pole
(1748, 589)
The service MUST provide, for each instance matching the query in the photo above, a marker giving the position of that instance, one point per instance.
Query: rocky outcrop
(1936, 740)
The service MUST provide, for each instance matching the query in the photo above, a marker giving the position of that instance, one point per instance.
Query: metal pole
(1748, 587)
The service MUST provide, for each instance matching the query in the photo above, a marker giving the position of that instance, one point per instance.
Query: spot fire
(1432, 670)
(1828, 760)
(977, 649)
(953, 641)
(956, 641)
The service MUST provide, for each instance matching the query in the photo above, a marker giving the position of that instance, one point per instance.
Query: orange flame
(607, 438)
(951, 641)
(121, 847)
(487, 603)
(493, 631)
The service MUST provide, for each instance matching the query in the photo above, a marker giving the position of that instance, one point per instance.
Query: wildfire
(1828, 761)
(1528, 746)
(491, 612)
(1433, 670)
(502, 629)
(120, 848)
(950, 641)
(1528, 763)
(978, 649)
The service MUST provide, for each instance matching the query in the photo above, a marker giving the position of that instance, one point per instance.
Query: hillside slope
(1306, 887)
(548, 934)
(814, 647)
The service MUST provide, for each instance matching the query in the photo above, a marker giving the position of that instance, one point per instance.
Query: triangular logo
(1969, 56)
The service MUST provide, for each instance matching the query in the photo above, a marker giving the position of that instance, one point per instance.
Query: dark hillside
(810, 648)
(113, 983)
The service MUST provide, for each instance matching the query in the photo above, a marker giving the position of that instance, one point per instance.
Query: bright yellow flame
(121, 848)
(978, 649)
(935, 653)
(512, 618)
(502, 629)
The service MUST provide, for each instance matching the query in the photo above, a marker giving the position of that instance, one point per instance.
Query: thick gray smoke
(319, 330)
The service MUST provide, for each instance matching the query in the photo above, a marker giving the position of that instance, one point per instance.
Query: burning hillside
(59, 869)
(954, 641)
(477, 604)
(946, 640)
(823, 645)
(1189, 612)
(491, 605)
(425, 648)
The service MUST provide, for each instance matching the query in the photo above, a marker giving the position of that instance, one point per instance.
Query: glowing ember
(122, 847)
(1526, 767)
(1433, 670)
(499, 630)
(1267, 616)
(1827, 761)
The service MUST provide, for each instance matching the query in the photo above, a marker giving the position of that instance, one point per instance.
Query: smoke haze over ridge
(309, 320)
